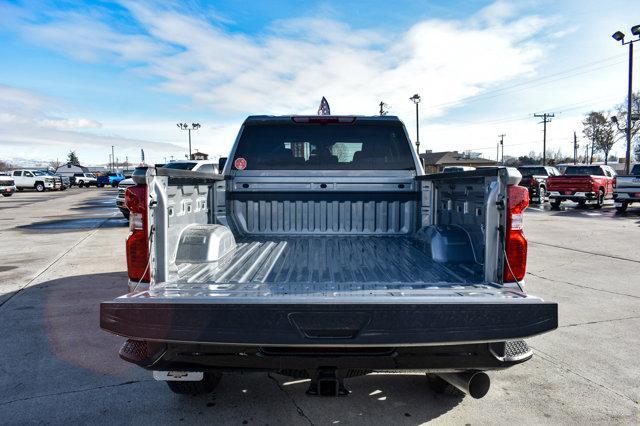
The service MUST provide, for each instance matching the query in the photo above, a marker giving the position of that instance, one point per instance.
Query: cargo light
(515, 266)
(324, 119)
(138, 239)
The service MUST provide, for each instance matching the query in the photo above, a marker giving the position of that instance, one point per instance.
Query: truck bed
(326, 264)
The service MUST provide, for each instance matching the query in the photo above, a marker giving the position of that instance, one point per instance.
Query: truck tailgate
(437, 316)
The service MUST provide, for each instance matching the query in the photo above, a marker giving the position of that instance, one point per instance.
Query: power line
(559, 109)
(528, 83)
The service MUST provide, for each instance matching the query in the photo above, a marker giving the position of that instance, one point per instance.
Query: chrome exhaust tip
(474, 383)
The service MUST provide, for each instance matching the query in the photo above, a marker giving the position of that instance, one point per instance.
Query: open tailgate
(443, 316)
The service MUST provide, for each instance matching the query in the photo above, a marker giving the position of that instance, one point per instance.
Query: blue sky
(88, 75)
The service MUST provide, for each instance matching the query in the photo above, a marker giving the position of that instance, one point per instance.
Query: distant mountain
(17, 162)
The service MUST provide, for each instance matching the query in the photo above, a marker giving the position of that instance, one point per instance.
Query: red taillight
(138, 239)
(515, 265)
(615, 181)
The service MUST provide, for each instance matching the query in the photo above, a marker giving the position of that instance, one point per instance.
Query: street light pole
(113, 159)
(627, 160)
(416, 100)
(185, 126)
(619, 36)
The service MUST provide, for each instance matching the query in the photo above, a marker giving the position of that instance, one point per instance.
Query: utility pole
(546, 117)
(113, 158)
(575, 148)
(382, 108)
(586, 153)
(502, 148)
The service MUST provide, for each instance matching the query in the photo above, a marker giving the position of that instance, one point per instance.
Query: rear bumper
(297, 362)
(627, 197)
(576, 196)
(353, 325)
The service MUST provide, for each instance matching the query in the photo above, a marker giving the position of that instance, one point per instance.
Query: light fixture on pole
(185, 126)
(619, 36)
(416, 100)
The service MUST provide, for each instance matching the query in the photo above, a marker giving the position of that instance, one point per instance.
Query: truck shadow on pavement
(58, 357)
(81, 223)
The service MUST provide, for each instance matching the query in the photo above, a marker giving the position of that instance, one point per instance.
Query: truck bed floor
(327, 264)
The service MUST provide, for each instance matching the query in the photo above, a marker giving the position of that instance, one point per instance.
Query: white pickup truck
(35, 179)
(323, 251)
(626, 189)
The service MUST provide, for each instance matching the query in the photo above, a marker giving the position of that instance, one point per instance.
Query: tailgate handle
(329, 325)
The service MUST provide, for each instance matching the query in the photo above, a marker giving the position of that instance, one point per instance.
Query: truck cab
(323, 251)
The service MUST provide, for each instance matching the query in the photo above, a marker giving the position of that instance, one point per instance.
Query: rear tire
(81, 184)
(600, 200)
(206, 385)
(622, 208)
(555, 204)
(7, 195)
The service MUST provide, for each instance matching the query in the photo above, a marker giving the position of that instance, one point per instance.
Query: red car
(584, 184)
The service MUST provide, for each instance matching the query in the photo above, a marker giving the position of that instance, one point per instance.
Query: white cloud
(70, 123)
(290, 66)
(27, 130)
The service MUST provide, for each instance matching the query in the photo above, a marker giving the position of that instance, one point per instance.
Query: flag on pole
(324, 107)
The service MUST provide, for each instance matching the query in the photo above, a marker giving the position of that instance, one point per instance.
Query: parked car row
(37, 179)
(202, 166)
(585, 184)
(42, 180)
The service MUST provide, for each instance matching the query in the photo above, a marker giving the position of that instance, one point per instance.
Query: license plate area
(178, 376)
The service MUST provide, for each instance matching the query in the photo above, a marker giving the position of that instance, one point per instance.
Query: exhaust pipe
(474, 383)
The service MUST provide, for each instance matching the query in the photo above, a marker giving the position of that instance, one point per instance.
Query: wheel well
(37, 182)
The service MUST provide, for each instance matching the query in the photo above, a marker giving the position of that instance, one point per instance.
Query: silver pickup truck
(626, 189)
(324, 252)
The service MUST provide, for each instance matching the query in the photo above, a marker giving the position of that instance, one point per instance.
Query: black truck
(534, 178)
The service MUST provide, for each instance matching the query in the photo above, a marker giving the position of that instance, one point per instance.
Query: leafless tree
(621, 114)
(599, 130)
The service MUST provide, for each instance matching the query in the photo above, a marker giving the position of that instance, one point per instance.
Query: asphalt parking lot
(62, 253)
